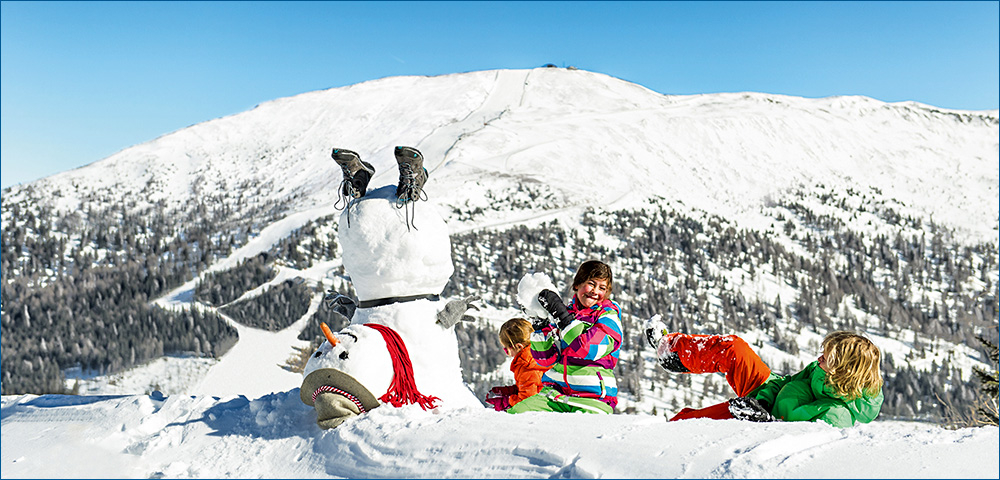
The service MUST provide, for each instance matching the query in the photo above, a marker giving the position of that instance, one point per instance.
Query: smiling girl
(579, 345)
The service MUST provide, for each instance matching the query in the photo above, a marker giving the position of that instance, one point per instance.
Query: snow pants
(728, 354)
(550, 400)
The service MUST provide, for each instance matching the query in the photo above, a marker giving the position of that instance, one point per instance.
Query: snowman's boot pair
(357, 174)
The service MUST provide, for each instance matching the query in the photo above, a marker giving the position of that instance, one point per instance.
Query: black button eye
(318, 354)
(343, 355)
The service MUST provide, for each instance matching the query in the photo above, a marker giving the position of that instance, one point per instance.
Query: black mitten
(747, 408)
(538, 323)
(554, 305)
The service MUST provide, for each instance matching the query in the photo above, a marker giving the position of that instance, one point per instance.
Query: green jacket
(805, 396)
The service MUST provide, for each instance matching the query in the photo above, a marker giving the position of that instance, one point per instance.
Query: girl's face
(591, 292)
(822, 363)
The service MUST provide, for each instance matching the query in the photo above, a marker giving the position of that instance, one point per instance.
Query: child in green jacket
(842, 387)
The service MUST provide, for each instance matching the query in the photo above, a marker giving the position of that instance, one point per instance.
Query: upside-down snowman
(400, 347)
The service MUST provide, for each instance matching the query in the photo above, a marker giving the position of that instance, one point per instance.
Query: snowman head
(349, 357)
(387, 258)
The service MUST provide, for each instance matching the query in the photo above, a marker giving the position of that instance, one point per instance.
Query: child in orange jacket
(515, 336)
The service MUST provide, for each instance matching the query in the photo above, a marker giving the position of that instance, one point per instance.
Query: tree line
(77, 287)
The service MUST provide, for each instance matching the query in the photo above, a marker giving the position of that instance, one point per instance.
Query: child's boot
(667, 354)
(357, 173)
(658, 337)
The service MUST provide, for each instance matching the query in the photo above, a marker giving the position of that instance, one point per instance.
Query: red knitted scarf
(403, 389)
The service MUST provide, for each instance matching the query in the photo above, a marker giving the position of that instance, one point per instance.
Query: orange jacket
(527, 375)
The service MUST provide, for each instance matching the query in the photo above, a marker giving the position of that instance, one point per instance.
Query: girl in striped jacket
(579, 345)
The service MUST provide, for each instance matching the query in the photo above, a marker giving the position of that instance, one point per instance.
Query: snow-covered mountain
(888, 213)
(577, 138)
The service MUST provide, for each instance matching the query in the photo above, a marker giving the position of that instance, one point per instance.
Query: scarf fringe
(403, 389)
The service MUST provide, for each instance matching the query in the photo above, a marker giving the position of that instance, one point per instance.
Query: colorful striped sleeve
(593, 341)
(544, 346)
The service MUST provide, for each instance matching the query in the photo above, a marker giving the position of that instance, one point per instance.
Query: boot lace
(408, 193)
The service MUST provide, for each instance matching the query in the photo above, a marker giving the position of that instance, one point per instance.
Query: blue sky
(83, 80)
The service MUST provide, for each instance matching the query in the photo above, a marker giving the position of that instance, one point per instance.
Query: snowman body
(398, 271)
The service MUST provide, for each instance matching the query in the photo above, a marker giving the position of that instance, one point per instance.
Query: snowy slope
(583, 137)
(275, 437)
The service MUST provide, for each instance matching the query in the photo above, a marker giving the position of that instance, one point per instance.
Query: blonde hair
(852, 365)
(514, 331)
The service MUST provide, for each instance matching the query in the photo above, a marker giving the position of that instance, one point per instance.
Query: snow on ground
(253, 367)
(275, 436)
(169, 373)
(251, 423)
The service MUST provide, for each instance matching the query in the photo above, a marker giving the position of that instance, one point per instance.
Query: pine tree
(988, 384)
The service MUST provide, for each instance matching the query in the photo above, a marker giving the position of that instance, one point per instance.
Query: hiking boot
(357, 173)
(412, 174)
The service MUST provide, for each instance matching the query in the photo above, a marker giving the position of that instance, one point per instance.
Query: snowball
(527, 293)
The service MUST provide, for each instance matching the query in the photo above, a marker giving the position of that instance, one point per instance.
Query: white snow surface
(584, 138)
(275, 436)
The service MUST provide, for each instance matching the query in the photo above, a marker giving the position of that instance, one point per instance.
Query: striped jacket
(581, 357)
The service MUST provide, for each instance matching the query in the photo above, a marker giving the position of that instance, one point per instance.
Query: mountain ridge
(715, 144)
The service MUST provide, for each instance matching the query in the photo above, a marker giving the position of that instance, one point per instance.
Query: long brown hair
(853, 365)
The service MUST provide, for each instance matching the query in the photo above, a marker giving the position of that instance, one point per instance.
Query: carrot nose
(328, 334)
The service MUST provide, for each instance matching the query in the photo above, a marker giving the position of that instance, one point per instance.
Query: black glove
(747, 408)
(538, 323)
(554, 305)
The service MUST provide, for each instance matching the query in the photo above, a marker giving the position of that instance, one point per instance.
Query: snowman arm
(454, 311)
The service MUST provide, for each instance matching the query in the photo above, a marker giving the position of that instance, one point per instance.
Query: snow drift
(275, 436)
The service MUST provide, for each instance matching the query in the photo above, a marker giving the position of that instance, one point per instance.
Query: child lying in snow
(842, 387)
